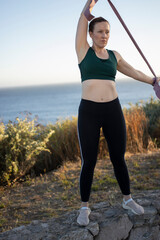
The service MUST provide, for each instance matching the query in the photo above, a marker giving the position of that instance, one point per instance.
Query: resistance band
(155, 84)
(89, 17)
(130, 35)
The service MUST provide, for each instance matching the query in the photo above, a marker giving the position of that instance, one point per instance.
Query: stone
(100, 205)
(44, 225)
(150, 211)
(106, 223)
(94, 216)
(115, 229)
(17, 229)
(34, 222)
(149, 217)
(110, 213)
(145, 233)
(93, 228)
(79, 234)
(144, 202)
(156, 204)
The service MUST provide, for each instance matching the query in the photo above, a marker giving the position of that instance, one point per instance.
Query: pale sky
(37, 38)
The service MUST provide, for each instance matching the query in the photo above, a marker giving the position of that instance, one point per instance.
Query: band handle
(88, 10)
(154, 81)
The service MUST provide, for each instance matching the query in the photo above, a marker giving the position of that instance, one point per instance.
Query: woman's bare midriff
(98, 90)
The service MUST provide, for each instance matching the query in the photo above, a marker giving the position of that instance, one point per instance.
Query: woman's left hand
(155, 80)
(158, 79)
(156, 87)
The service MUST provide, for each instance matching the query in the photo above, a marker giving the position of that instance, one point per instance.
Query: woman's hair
(94, 21)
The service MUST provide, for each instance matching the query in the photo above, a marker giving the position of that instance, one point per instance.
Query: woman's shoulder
(117, 54)
(114, 51)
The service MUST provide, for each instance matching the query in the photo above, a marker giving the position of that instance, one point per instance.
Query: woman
(100, 107)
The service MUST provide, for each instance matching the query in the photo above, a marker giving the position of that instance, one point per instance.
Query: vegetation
(30, 148)
(152, 112)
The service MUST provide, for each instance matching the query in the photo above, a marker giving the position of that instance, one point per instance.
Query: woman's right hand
(88, 10)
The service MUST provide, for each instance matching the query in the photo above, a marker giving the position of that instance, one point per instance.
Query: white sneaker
(133, 206)
(83, 218)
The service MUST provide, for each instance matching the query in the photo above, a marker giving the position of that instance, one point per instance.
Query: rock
(110, 212)
(156, 204)
(18, 229)
(79, 234)
(106, 223)
(100, 205)
(116, 229)
(93, 228)
(145, 233)
(150, 217)
(94, 216)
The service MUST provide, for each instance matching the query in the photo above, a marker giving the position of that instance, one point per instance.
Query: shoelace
(129, 200)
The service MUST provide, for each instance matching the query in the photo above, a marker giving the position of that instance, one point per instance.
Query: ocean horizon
(51, 103)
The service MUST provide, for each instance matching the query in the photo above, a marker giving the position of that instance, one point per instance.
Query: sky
(37, 38)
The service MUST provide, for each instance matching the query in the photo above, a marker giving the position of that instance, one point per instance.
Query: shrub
(137, 129)
(152, 111)
(19, 147)
(63, 144)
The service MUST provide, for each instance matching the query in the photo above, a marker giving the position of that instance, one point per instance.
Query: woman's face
(100, 34)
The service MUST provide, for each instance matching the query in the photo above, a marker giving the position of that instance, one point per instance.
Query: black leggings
(91, 117)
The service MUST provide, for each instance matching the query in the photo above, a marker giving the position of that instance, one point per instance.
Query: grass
(57, 192)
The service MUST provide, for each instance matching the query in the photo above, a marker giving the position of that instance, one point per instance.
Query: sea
(51, 103)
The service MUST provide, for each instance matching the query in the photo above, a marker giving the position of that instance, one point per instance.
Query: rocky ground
(106, 223)
(56, 193)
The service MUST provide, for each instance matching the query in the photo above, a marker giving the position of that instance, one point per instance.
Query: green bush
(19, 147)
(62, 141)
(152, 111)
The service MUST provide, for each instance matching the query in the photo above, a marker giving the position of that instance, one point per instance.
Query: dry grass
(26, 147)
(138, 138)
(56, 192)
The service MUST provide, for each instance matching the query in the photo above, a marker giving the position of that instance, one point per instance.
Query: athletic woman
(100, 107)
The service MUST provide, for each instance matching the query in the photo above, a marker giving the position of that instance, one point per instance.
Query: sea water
(50, 103)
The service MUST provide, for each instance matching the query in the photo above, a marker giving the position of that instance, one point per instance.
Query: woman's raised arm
(81, 43)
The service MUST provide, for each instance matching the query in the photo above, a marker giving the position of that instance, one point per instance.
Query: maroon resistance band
(155, 83)
(89, 17)
(130, 35)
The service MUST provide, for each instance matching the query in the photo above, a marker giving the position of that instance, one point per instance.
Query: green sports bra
(93, 67)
